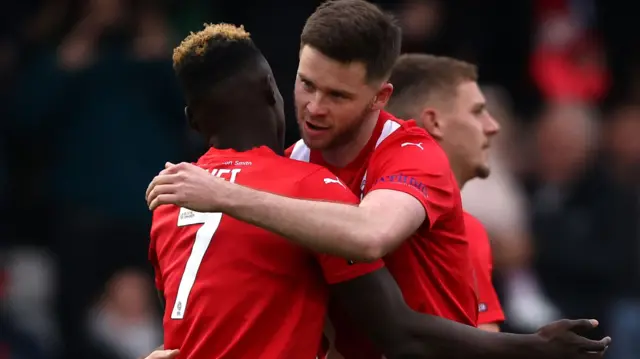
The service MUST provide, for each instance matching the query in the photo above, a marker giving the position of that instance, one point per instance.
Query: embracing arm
(382, 221)
(375, 302)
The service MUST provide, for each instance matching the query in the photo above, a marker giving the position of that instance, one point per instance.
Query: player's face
(332, 99)
(468, 129)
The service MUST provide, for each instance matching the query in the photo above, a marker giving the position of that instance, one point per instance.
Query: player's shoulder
(417, 142)
(473, 227)
(410, 134)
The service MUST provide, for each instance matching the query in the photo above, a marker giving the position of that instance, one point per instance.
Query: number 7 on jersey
(210, 223)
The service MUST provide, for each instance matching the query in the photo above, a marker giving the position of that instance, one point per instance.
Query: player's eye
(307, 86)
(337, 95)
(478, 111)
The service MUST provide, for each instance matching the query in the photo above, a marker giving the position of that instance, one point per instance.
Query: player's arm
(396, 206)
(410, 187)
(376, 304)
(364, 232)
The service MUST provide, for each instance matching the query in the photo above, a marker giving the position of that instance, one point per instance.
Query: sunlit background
(91, 111)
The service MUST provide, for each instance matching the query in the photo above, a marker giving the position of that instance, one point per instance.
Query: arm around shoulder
(327, 218)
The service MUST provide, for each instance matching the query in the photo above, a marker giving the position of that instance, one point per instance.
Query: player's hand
(185, 185)
(164, 354)
(562, 339)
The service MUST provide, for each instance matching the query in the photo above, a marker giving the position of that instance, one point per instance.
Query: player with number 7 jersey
(233, 290)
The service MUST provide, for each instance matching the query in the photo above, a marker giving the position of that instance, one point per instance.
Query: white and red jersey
(432, 267)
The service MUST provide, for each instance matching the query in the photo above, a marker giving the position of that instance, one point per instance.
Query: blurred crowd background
(91, 111)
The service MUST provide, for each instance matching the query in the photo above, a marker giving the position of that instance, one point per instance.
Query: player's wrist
(222, 199)
(523, 346)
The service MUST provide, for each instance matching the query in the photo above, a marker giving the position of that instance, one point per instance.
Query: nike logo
(331, 180)
(419, 145)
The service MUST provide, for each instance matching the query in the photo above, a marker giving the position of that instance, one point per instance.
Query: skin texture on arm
(364, 232)
(376, 304)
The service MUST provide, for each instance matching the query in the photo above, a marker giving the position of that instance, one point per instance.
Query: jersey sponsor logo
(405, 180)
(187, 217)
(334, 180)
(419, 145)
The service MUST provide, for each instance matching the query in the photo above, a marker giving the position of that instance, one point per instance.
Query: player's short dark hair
(416, 78)
(355, 30)
(213, 55)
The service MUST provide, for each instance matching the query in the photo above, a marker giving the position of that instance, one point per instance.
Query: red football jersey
(433, 267)
(489, 308)
(233, 290)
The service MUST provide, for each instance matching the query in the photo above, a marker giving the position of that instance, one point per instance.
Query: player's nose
(316, 106)
(491, 127)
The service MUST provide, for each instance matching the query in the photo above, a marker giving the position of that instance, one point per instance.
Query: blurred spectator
(18, 336)
(568, 62)
(575, 254)
(622, 156)
(109, 115)
(30, 289)
(123, 320)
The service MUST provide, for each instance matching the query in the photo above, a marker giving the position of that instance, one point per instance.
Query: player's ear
(382, 96)
(190, 120)
(269, 89)
(428, 119)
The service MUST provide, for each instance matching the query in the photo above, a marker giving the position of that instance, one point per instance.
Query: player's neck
(458, 172)
(242, 140)
(342, 155)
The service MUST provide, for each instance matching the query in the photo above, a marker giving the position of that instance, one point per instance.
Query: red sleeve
(413, 163)
(153, 258)
(489, 308)
(323, 185)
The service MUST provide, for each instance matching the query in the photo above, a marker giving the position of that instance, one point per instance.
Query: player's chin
(315, 142)
(483, 170)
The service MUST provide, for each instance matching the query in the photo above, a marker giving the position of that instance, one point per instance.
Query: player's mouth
(314, 128)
